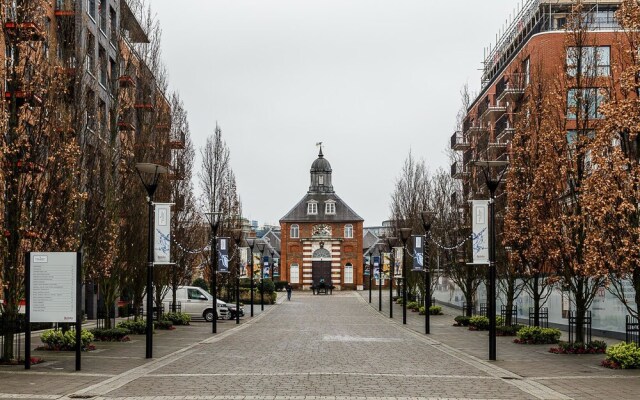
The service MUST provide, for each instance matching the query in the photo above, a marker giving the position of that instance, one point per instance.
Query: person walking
(289, 290)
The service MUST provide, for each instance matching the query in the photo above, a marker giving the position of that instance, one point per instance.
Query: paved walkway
(319, 347)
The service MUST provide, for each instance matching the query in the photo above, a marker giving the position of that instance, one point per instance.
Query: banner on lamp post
(223, 255)
(376, 267)
(162, 233)
(480, 231)
(397, 261)
(276, 267)
(418, 251)
(265, 267)
(244, 261)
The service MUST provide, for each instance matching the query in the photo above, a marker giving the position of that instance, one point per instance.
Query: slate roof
(344, 213)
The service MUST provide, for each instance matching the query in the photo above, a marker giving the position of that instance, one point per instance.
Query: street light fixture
(237, 238)
(427, 219)
(261, 245)
(405, 233)
(152, 172)
(391, 243)
(492, 185)
(214, 222)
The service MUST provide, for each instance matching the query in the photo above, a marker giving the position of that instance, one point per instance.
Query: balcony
(23, 97)
(511, 87)
(27, 31)
(458, 170)
(503, 130)
(144, 106)
(125, 122)
(65, 8)
(177, 174)
(126, 81)
(459, 141)
(494, 112)
(177, 142)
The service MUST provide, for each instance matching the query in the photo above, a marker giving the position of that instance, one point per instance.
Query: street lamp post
(153, 171)
(427, 218)
(405, 233)
(370, 274)
(492, 185)
(237, 237)
(391, 242)
(251, 244)
(261, 246)
(214, 222)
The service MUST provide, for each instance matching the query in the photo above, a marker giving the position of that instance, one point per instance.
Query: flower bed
(58, 341)
(622, 356)
(111, 335)
(461, 320)
(593, 347)
(433, 310)
(138, 327)
(177, 318)
(537, 335)
(511, 330)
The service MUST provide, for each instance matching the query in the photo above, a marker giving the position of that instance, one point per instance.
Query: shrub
(593, 347)
(110, 335)
(538, 335)
(163, 324)
(138, 327)
(269, 286)
(623, 355)
(462, 320)
(479, 323)
(201, 283)
(56, 340)
(177, 318)
(413, 305)
(399, 300)
(508, 330)
(280, 285)
(435, 310)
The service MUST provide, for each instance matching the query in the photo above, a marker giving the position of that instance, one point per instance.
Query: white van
(196, 302)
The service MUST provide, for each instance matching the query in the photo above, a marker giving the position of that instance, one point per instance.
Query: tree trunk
(536, 300)
(580, 310)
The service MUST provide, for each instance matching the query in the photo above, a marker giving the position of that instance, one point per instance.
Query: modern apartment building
(535, 43)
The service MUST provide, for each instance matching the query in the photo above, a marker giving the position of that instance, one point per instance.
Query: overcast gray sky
(372, 79)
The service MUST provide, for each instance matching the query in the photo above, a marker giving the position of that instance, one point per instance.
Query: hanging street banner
(257, 262)
(162, 233)
(244, 261)
(376, 267)
(223, 254)
(276, 267)
(397, 271)
(480, 231)
(386, 263)
(418, 252)
(265, 267)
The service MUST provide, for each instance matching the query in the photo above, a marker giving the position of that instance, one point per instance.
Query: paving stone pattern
(324, 348)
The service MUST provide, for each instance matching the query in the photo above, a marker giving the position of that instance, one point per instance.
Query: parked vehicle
(232, 310)
(196, 302)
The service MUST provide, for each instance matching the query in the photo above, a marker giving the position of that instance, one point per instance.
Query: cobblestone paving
(324, 348)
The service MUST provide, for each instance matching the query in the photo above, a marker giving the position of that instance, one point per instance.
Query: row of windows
(329, 207)
(294, 273)
(294, 231)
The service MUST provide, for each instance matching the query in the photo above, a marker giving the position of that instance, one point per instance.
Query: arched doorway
(321, 266)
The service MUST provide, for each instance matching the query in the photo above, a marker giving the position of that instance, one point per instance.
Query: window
(594, 61)
(348, 273)
(102, 61)
(330, 207)
(294, 232)
(91, 9)
(526, 69)
(113, 19)
(195, 294)
(102, 9)
(312, 208)
(348, 231)
(589, 99)
(294, 273)
(91, 52)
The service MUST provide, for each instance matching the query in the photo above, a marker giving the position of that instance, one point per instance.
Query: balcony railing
(459, 141)
(27, 31)
(511, 86)
(457, 170)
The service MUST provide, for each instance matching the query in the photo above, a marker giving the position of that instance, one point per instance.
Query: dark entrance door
(320, 270)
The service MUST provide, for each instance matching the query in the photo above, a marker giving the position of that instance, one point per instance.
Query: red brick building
(321, 236)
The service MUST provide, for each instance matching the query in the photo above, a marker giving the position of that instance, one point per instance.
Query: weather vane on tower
(319, 144)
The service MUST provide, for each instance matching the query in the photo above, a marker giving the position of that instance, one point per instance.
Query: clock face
(321, 230)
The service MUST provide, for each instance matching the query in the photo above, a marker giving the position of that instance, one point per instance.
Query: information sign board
(53, 288)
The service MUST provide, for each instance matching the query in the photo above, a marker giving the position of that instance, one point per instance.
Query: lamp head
(392, 241)
(405, 233)
(261, 245)
(427, 220)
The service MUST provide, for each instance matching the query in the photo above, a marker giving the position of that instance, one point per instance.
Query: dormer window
(312, 208)
(330, 207)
